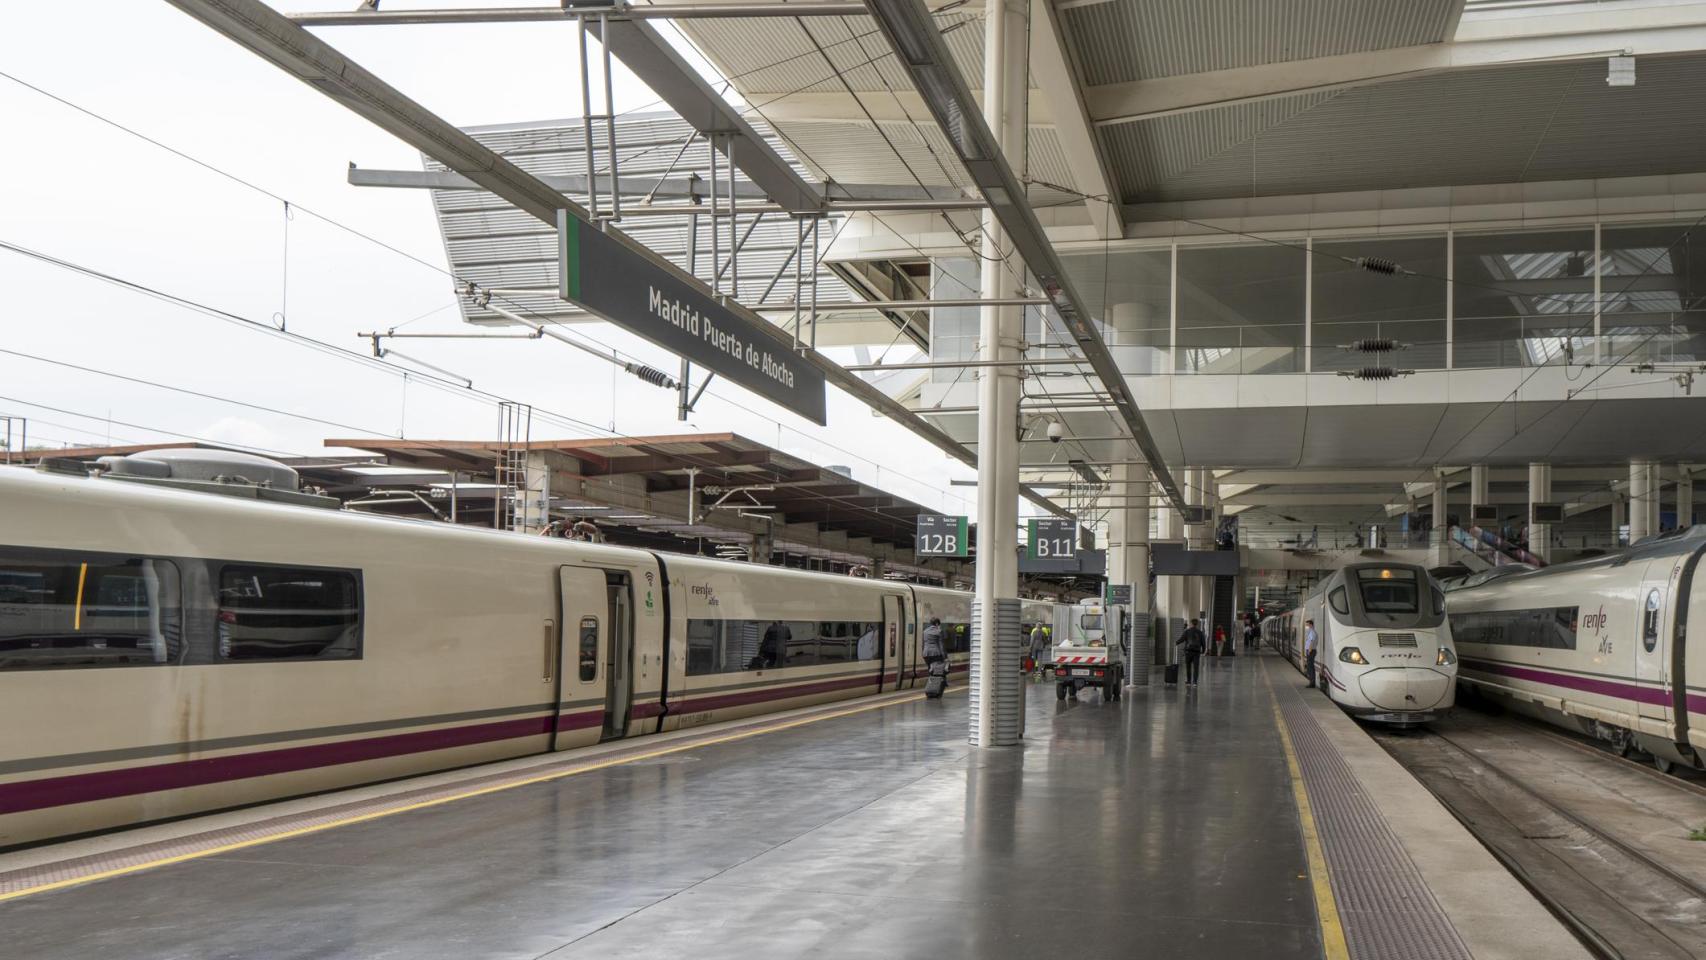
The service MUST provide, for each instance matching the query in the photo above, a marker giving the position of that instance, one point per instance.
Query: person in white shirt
(1310, 639)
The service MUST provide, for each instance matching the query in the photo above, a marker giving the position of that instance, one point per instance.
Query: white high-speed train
(1600, 645)
(1385, 650)
(165, 652)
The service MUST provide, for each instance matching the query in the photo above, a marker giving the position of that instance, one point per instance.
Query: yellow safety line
(1333, 943)
(439, 801)
(77, 617)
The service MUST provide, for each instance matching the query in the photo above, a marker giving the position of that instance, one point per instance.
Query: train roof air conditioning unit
(224, 472)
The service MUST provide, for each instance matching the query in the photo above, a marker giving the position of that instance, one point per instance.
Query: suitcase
(938, 681)
(1171, 674)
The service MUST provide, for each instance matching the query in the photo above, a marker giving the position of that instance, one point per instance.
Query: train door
(1650, 647)
(585, 631)
(893, 654)
(598, 637)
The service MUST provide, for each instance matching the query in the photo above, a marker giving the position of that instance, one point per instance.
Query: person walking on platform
(1193, 642)
(933, 649)
(1309, 641)
(1039, 647)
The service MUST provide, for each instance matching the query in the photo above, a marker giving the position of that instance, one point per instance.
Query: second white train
(1384, 649)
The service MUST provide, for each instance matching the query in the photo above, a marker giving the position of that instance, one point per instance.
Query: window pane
(67, 609)
(1522, 299)
(1130, 292)
(1389, 591)
(588, 648)
(1550, 627)
(953, 330)
(288, 613)
(1652, 279)
(1241, 309)
(1353, 304)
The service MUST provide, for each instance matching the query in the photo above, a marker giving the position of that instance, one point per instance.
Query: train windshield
(1389, 590)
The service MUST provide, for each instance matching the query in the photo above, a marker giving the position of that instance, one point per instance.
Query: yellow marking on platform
(1333, 943)
(439, 801)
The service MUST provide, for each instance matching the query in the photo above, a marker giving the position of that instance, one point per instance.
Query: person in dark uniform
(1310, 640)
(1193, 643)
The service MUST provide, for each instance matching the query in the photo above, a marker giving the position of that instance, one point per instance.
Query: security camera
(1056, 431)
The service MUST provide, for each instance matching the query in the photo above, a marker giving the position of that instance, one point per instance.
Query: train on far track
(1385, 651)
(1601, 646)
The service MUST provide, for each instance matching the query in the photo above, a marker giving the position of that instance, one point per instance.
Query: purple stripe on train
(129, 781)
(1617, 689)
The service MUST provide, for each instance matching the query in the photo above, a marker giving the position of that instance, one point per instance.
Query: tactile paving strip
(1387, 910)
(165, 851)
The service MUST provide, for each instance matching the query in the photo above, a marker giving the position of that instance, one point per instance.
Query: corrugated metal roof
(493, 244)
(765, 57)
(1126, 40)
(1528, 122)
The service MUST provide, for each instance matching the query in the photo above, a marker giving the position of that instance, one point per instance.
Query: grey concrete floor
(1161, 826)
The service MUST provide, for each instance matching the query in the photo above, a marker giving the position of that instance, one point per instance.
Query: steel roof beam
(683, 11)
(1079, 144)
(921, 51)
(650, 57)
(846, 198)
(273, 37)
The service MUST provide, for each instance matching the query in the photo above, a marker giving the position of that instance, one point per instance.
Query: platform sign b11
(941, 536)
(1052, 538)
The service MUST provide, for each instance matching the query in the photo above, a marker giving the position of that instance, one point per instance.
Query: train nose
(1405, 688)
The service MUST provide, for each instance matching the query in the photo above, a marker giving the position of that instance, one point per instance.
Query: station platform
(1246, 817)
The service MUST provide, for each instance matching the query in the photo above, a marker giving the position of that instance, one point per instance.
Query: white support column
(1655, 484)
(1684, 496)
(1170, 603)
(1439, 535)
(1640, 493)
(1539, 491)
(996, 689)
(1478, 494)
(1128, 563)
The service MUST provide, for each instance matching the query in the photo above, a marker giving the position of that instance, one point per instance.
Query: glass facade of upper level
(1461, 299)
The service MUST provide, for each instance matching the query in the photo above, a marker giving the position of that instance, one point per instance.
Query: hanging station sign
(941, 536)
(654, 301)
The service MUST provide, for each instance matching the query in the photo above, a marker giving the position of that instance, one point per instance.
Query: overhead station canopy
(740, 489)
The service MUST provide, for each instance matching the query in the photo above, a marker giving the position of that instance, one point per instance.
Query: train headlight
(1446, 658)
(1352, 655)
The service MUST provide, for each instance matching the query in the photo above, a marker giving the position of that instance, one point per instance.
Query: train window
(61, 608)
(1341, 601)
(1548, 627)
(1391, 590)
(288, 613)
(589, 648)
(732, 646)
(1650, 622)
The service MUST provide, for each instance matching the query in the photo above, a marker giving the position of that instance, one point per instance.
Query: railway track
(1600, 841)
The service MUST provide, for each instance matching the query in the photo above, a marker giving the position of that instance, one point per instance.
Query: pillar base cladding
(1001, 723)
(1142, 656)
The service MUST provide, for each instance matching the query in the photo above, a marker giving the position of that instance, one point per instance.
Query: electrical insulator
(1377, 265)
(1374, 345)
(651, 375)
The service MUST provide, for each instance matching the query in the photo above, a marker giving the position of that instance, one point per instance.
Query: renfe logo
(1594, 621)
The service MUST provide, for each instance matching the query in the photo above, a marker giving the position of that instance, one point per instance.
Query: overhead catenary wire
(435, 382)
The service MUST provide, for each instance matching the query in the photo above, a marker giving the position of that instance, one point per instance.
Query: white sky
(82, 191)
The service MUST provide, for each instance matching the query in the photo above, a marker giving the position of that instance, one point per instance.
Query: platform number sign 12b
(941, 536)
(1052, 538)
